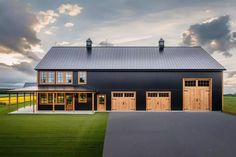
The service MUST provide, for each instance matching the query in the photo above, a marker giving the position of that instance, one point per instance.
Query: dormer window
(82, 75)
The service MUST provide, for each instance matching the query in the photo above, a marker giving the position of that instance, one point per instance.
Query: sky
(29, 28)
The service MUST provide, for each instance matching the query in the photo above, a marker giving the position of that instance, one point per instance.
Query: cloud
(70, 9)
(45, 18)
(231, 74)
(7, 80)
(214, 34)
(105, 43)
(12, 58)
(25, 67)
(62, 43)
(234, 35)
(48, 32)
(133, 38)
(69, 24)
(17, 33)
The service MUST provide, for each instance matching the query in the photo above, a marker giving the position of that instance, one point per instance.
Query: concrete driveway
(170, 134)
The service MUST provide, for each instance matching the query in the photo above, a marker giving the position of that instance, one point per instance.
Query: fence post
(17, 101)
(9, 102)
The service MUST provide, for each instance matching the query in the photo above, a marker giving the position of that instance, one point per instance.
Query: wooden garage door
(197, 94)
(158, 101)
(123, 101)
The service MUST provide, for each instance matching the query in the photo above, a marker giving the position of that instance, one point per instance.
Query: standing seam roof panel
(172, 58)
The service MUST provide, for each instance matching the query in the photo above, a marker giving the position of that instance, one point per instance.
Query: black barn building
(119, 78)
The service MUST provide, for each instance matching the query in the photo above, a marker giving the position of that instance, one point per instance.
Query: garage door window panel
(190, 83)
(204, 83)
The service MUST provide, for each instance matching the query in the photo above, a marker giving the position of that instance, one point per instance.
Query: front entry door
(101, 102)
(69, 101)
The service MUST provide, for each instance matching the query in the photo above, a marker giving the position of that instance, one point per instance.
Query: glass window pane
(69, 99)
(101, 99)
(82, 98)
(43, 98)
(60, 98)
(68, 77)
(51, 77)
(50, 98)
(60, 78)
(82, 77)
(43, 77)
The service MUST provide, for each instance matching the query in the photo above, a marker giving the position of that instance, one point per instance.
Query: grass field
(51, 135)
(230, 104)
(58, 135)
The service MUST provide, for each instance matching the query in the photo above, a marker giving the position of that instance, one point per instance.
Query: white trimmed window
(43, 77)
(82, 77)
(68, 77)
(60, 77)
(51, 77)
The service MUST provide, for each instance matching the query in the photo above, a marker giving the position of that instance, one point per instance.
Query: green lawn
(51, 135)
(230, 104)
(58, 135)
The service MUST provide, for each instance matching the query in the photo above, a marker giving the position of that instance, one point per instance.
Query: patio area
(32, 110)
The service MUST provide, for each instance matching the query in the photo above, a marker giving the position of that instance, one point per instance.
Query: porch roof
(51, 89)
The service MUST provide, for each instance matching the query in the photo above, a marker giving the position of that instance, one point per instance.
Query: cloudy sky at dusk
(28, 28)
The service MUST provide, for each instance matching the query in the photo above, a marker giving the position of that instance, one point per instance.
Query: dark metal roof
(129, 58)
(29, 84)
(50, 89)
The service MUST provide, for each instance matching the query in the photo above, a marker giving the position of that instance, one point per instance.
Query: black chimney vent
(89, 44)
(161, 44)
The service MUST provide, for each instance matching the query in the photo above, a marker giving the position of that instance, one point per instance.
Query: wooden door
(130, 101)
(196, 94)
(158, 101)
(152, 101)
(164, 101)
(69, 101)
(116, 101)
(189, 95)
(101, 102)
(204, 95)
(123, 101)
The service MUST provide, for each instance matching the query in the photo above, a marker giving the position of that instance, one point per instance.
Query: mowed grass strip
(230, 104)
(51, 135)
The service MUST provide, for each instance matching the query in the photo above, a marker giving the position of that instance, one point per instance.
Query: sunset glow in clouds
(28, 28)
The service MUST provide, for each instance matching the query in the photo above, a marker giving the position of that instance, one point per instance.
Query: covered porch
(58, 100)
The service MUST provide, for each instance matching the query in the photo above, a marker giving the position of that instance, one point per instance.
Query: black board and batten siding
(139, 81)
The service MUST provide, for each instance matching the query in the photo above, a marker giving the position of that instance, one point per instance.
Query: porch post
(73, 102)
(37, 105)
(53, 105)
(33, 102)
(9, 102)
(92, 102)
(30, 99)
(17, 101)
(24, 100)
